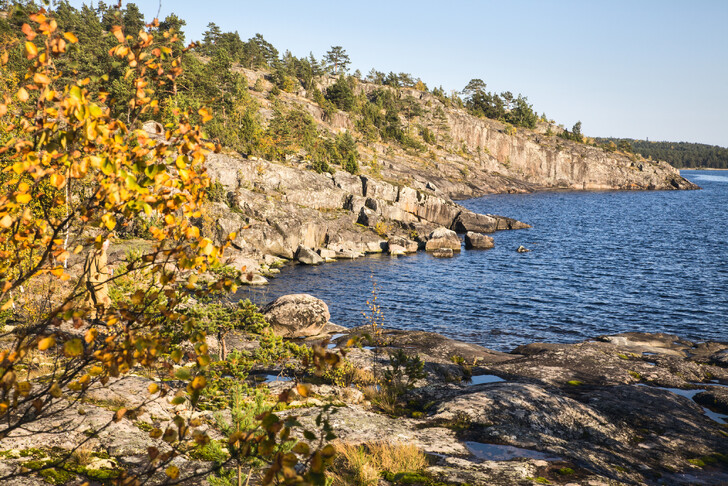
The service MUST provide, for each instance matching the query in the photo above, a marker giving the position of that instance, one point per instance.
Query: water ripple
(603, 262)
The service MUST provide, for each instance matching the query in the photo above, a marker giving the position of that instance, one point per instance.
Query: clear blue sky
(640, 69)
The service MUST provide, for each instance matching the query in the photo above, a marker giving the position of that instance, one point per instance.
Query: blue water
(602, 263)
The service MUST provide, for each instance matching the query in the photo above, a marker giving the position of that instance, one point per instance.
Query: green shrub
(427, 135)
(216, 192)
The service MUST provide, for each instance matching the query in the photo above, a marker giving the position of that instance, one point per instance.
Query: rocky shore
(287, 213)
(631, 408)
(284, 211)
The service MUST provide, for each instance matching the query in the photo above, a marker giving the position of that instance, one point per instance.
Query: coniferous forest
(683, 155)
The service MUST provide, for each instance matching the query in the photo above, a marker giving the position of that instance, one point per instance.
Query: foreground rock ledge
(605, 411)
(600, 412)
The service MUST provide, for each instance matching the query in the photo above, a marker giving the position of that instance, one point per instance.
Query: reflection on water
(602, 262)
(710, 178)
(496, 452)
(481, 379)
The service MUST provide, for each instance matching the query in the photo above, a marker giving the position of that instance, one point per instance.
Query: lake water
(601, 263)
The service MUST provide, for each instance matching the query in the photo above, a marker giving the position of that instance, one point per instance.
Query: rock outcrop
(633, 408)
(307, 256)
(616, 410)
(484, 223)
(290, 212)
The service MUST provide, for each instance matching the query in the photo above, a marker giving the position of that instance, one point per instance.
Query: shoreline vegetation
(215, 164)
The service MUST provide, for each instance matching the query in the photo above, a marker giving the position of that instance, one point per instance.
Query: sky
(641, 69)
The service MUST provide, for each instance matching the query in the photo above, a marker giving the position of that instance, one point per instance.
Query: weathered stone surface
(348, 255)
(379, 189)
(356, 241)
(354, 203)
(592, 429)
(437, 347)
(394, 212)
(715, 399)
(720, 358)
(468, 221)
(434, 209)
(353, 424)
(371, 203)
(297, 315)
(367, 217)
(326, 253)
(478, 241)
(443, 238)
(349, 183)
(307, 256)
(254, 279)
(396, 250)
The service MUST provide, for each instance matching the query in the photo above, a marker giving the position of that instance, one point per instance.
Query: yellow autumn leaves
(69, 169)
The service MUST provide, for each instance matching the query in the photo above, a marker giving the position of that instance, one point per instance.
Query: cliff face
(475, 156)
(552, 162)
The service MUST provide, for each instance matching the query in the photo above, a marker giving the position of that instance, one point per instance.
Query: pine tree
(337, 60)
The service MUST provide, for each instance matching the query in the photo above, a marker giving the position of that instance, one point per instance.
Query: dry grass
(383, 397)
(82, 456)
(40, 364)
(363, 465)
(354, 466)
(363, 377)
(397, 457)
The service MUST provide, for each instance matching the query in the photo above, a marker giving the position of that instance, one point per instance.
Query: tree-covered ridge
(275, 105)
(214, 75)
(682, 155)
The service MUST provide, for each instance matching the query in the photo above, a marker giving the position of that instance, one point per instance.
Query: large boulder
(307, 256)
(348, 183)
(297, 315)
(477, 241)
(443, 238)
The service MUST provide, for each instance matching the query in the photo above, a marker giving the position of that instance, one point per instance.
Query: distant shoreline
(702, 168)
